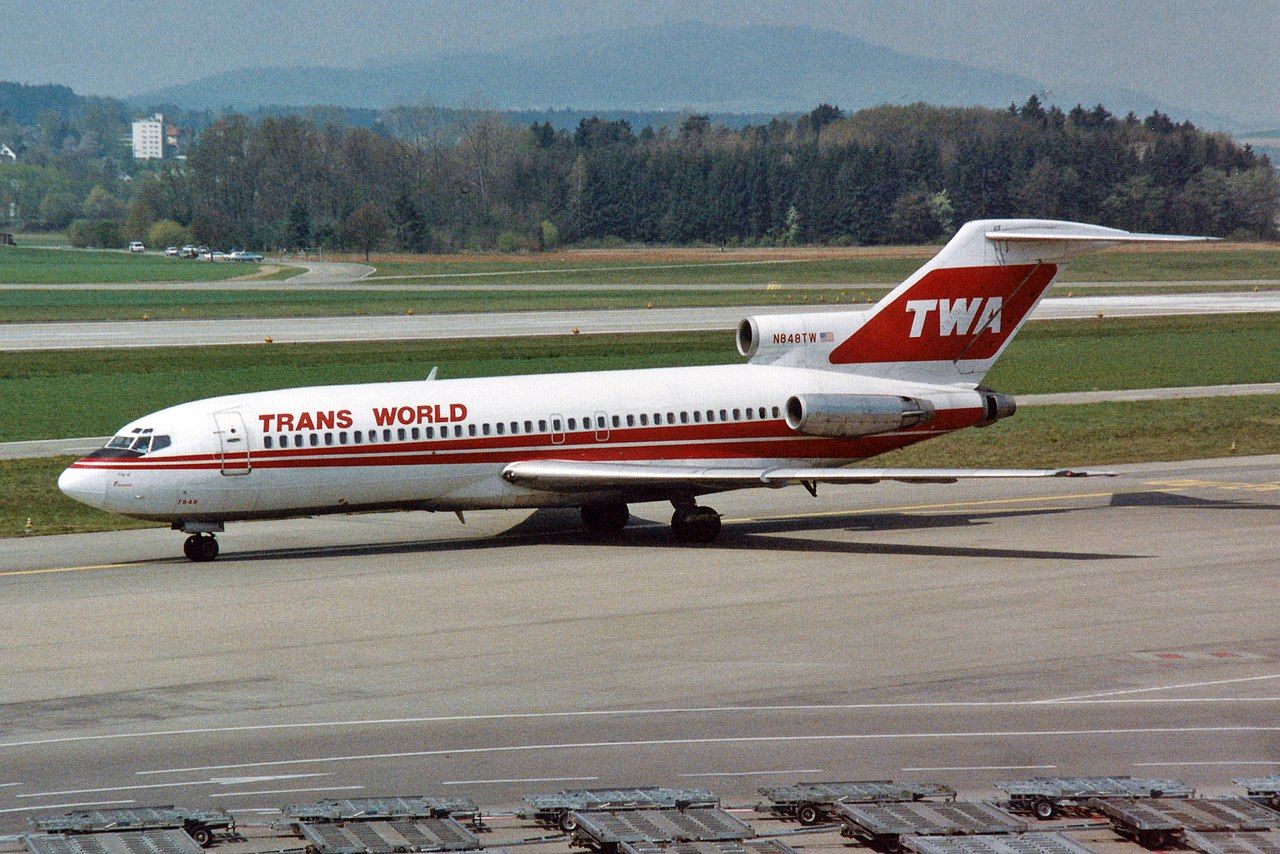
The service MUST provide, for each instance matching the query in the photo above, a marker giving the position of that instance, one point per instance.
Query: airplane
(818, 392)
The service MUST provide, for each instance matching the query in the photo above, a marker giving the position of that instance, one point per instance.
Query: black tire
(191, 547)
(700, 525)
(808, 814)
(605, 519)
(1044, 809)
(203, 836)
(205, 549)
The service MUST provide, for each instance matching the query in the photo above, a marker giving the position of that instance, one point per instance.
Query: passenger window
(342, 437)
(671, 418)
(573, 424)
(498, 428)
(485, 429)
(471, 429)
(763, 413)
(542, 425)
(776, 412)
(711, 415)
(457, 430)
(528, 426)
(631, 421)
(430, 432)
(737, 415)
(284, 441)
(684, 418)
(724, 416)
(328, 438)
(617, 422)
(297, 440)
(644, 419)
(600, 423)
(266, 441)
(747, 413)
(314, 438)
(356, 434)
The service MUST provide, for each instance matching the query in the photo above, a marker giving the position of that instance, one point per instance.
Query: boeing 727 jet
(817, 393)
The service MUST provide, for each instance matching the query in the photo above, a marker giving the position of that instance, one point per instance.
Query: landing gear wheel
(605, 519)
(568, 822)
(202, 836)
(200, 548)
(808, 814)
(699, 525)
(1044, 809)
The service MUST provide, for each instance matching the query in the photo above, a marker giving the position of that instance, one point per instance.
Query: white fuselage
(442, 445)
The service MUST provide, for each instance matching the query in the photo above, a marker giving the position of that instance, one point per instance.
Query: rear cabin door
(233, 442)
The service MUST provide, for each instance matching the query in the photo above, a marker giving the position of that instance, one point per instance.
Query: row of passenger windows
(515, 428)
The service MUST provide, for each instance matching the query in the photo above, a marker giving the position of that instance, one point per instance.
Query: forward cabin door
(233, 442)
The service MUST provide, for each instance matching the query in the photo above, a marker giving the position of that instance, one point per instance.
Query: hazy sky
(1207, 54)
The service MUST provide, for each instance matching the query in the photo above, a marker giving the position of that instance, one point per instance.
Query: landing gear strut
(200, 547)
(605, 520)
(693, 524)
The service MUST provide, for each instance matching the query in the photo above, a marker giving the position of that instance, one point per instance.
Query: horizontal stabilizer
(1075, 232)
(574, 476)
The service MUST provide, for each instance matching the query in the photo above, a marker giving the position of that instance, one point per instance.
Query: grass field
(47, 395)
(816, 266)
(41, 238)
(1049, 436)
(19, 265)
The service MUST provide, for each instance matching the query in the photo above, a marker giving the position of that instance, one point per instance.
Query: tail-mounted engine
(995, 406)
(847, 416)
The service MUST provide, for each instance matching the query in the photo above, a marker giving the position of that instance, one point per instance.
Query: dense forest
(417, 181)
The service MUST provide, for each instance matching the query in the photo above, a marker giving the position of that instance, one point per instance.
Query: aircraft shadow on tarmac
(1188, 502)
(561, 527)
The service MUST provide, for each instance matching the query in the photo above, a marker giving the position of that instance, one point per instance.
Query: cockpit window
(131, 446)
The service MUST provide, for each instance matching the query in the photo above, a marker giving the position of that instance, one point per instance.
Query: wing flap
(576, 476)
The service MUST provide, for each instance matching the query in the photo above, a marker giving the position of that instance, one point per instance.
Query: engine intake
(846, 416)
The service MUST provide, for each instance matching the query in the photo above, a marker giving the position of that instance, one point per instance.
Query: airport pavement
(176, 333)
(965, 632)
(55, 447)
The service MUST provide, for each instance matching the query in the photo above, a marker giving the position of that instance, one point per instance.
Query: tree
(365, 228)
(57, 209)
(297, 233)
(548, 234)
(166, 232)
(100, 204)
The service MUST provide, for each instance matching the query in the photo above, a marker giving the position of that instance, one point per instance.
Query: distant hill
(669, 67)
(24, 103)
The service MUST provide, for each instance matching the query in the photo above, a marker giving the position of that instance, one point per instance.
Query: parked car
(243, 255)
(136, 246)
(171, 252)
(188, 251)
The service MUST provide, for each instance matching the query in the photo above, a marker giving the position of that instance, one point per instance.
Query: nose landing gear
(200, 547)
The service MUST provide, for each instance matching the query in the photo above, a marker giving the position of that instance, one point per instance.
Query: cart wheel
(1044, 809)
(568, 822)
(203, 836)
(808, 814)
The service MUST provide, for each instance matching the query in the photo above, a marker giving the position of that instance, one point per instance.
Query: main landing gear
(200, 547)
(693, 524)
(605, 520)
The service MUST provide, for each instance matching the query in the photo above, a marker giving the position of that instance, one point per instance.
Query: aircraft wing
(573, 476)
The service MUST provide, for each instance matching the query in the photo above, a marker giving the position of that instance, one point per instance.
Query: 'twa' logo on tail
(950, 313)
(956, 317)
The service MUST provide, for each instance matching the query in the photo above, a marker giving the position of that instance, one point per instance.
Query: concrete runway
(177, 333)
(965, 633)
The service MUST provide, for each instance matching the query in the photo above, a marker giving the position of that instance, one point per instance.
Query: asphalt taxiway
(179, 333)
(964, 632)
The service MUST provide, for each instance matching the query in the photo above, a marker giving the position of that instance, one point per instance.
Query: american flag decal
(826, 337)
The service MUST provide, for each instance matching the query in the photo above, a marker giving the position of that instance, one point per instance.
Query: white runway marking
(753, 773)
(1166, 688)
(980, 768)
(215, 781)
(742, 739)
(9, 785)
(519, 780)
(285, 791)
(1213, 762)
(692, 710)
(66, 806)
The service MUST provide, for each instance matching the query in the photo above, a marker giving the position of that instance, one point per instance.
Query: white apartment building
(148, 138)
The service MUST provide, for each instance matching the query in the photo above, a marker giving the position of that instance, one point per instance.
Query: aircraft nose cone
(80, 485)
